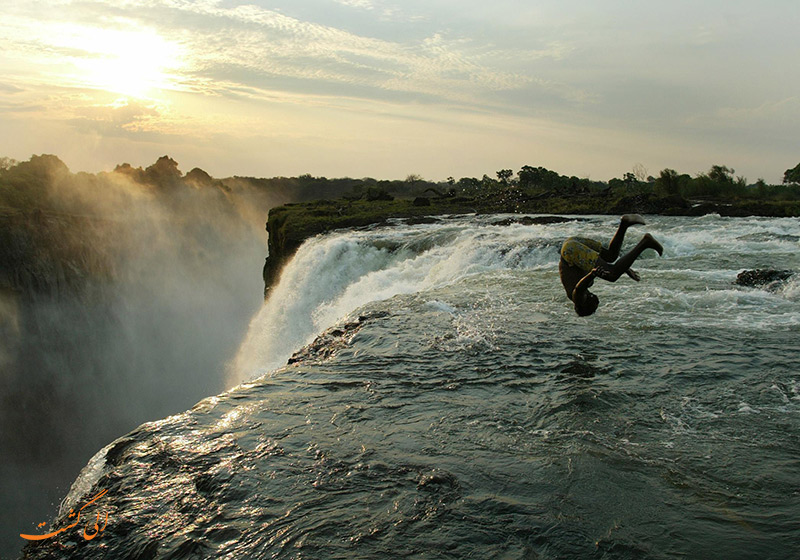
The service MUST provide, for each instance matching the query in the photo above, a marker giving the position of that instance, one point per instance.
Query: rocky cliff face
(50, 255)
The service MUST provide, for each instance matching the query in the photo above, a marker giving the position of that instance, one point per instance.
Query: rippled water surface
(456, 407)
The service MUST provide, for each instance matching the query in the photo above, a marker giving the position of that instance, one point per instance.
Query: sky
(389, 88)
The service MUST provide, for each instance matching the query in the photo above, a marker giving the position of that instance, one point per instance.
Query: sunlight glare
(131, 63)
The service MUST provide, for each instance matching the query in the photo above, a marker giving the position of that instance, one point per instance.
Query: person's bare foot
(631, 219)
(653, 244)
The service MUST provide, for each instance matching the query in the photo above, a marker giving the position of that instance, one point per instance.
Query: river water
(449, 403)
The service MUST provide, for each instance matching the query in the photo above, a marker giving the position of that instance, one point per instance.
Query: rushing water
(456, 407)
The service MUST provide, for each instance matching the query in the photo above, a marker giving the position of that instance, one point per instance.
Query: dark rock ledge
(767, 278)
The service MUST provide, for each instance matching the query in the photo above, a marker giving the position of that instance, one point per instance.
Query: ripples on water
(460, 409)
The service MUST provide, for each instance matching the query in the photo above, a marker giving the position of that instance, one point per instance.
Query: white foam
(441, 306)
(87, 478)
(745, 408)
(320, 271)
(331, 276)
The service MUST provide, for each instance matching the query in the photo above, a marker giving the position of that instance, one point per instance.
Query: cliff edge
(288, 226)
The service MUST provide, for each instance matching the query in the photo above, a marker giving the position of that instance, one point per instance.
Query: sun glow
(130, 62)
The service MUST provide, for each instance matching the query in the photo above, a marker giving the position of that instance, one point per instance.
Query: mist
(123, 297)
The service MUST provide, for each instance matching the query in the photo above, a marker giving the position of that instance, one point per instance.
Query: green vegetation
(717, 185)
(43, 181)
(27, 185)
(792, 176)
(313, 205)
(533, 190)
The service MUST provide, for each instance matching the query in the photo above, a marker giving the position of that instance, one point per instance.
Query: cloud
(774, 121)
(21, 108)
(773, 111)
(452, 69)
(122, 117)
(679, 70)
(217, 40)
(363, 4)
(9, 88)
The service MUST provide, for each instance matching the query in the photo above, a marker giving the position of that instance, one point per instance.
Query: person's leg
(610, 255)
(612, 271)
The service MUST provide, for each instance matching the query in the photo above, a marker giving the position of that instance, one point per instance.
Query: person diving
(584, 259)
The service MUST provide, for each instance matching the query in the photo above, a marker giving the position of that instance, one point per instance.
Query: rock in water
(767, 278)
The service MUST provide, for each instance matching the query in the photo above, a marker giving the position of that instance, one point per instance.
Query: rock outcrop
(766, 278)
(534, 220)
(334, 339)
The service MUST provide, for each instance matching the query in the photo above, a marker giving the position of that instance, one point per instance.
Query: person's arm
(584, 284)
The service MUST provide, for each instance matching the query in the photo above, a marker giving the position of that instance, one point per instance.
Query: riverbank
(288, 226)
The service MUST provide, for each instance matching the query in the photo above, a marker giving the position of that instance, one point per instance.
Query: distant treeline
(718, 183)
(45, 182)
(40, 182)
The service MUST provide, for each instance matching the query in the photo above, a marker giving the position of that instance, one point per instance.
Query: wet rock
(534, 220)
(767, 278)
(437, 477)
(333, 339)
(421, 220)
(115, 454)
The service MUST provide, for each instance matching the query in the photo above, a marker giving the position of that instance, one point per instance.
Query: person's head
(586, 304)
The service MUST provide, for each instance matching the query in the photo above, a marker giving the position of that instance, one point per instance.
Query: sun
(131, 62)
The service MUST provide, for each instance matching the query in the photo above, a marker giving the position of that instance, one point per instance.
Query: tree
(640, 172)
(792, 175)
(163, 173)
(199, 178)
(668, 183)
(629, 179)
(721, 174)
(7, 163)
(504, 175)
(469, 185)
(762, 188)
(539, 177)
(377, 193)
(719, 182)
